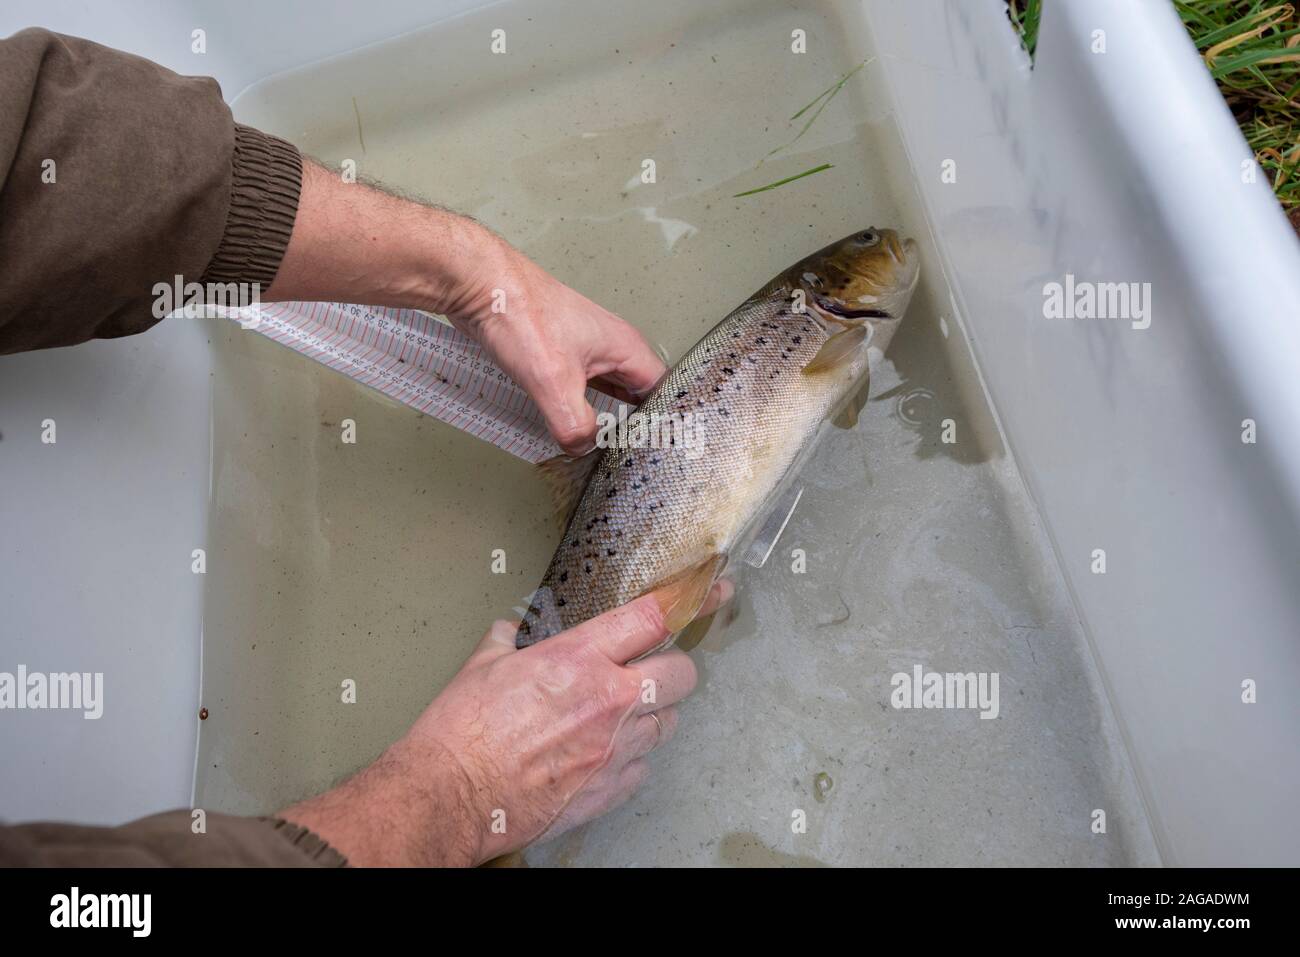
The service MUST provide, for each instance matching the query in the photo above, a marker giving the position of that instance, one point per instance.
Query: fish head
(867, 276)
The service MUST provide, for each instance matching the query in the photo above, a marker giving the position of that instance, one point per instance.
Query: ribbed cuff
(307, 842)
(265, 183)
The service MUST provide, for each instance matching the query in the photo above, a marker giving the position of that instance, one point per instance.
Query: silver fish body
(750, 396)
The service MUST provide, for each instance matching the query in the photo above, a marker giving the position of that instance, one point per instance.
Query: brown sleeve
(167, 840)
(116, 174)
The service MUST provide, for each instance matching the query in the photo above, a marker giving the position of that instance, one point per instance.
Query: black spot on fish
(680, 395)
(611, 493)
(797, 340)
(564, 576)
(728, 371)
(588, 567)
(627, 462)
(610, 551)
(761, 341)
(560, 602)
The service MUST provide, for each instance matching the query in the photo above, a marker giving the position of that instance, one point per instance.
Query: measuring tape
(421, 361)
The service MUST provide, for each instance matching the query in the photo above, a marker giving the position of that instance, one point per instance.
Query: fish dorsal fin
(848, 416)
(567, 478)
(837, 351)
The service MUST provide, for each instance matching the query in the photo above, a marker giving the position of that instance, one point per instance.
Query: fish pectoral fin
(837, 351)
(567, 478)
(848, 416)
(681, 596)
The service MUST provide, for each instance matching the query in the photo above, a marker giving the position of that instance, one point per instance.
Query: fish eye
(869, 237)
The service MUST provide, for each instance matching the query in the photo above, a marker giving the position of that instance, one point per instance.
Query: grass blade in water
(782, 182)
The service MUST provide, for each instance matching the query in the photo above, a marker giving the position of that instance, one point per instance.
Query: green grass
(1024, 16)
(782, 182)
(1252, 49)
(819, 102)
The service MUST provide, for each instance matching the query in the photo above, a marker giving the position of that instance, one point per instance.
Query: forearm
(413, 807)
(353, 243)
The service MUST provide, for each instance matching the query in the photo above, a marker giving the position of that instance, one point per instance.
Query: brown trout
(755, 390)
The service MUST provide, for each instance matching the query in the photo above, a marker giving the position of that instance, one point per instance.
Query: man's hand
(520, 745)
(351, 243)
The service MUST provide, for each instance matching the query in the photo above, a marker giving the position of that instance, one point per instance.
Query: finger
(608, 386)
(723, 590)
(568, 415)
(644, 734)
(630, 361)
(630, 779)
(622, 633)
(672, 675)
(636, 628)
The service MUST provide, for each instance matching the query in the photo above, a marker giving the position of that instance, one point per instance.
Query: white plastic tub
(1114, 166)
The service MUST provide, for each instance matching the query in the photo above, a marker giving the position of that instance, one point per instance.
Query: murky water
(371, 561)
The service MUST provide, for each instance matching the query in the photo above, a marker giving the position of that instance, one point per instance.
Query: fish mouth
(839, 309)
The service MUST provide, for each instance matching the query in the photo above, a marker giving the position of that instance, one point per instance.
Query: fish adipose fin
(681, 596)
(848, 416)
(567, 478)
(837, 351)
